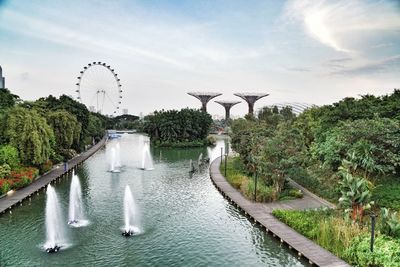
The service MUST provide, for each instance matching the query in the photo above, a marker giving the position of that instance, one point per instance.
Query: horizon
(314, 52)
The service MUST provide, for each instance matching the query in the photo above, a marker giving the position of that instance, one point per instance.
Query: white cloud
(343, 25)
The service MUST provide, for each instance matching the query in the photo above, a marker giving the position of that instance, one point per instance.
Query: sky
(308, 51)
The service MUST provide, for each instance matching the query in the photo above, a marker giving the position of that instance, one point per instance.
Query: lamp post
(226, 159)
(373, 217)
(221, 155)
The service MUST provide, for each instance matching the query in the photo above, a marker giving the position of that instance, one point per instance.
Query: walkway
(16, 198)
(261, 213)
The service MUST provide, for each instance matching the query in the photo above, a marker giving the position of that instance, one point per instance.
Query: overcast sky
(310, 51)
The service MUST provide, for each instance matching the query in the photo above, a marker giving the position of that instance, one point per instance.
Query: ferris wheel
(99, 88)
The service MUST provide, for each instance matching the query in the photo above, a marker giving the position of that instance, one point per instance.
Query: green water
(185, 221)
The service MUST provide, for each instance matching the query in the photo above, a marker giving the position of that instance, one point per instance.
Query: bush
(389, 223)
(211, 141)
(5, 170)
(320, 181)
(264, 193)
(387, 195)
(45, 167)
(9, 155)
(304, 222)
(290, 193)
(4, 186)
(22, 177)
(386, 252)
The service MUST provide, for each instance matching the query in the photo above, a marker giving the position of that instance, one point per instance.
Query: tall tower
(227, 105)
(2, 79)
(251, 98)
(204, 97)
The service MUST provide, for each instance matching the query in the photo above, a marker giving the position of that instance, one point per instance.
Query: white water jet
(200, 159)
(117, 155)
(131, 215)
(191, 166)
(76, 214)
(113, 167)
(55, 234)
(147, 161)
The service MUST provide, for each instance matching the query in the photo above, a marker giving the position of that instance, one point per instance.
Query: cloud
(344, 25)
(391, 64)
(298, 69)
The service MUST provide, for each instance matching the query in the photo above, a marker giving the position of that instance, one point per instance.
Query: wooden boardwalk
(17, 198)
(261, 213)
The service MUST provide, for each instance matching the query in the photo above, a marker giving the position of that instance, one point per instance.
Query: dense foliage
(33, 135)
(311, 147)
(30, 133)
(238, 176)
(172, 127)
(349, 153)
(345, 239)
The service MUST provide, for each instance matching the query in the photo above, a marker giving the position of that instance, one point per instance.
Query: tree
(372, 144)
(7, 99)
(281, 152)
(43, 105)
(66, 128)
(172, 126)
(27, 131)
(96, 127)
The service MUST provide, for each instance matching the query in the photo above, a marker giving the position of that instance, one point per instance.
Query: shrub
(386, 252)
(211, 141)
(45, 167)
(387, 195)
(389, 223)
(304, 222)
(5, 170)
(290, 193)
(264, 193)
(9, 155)
(4, 186)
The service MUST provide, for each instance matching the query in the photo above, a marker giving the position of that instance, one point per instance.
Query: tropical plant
(390, 224)
(355, 191)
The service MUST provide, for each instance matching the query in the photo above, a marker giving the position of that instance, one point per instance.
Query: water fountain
(118, 155)
(192, 168)
(76, 215)
(147, 161)
(130, 214)
(200, 159)
(113, 163)
(55, 236)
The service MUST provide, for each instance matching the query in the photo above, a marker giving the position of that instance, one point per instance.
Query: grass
(347, 240)
(324, 227)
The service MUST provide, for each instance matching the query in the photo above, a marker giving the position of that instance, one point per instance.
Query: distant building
(2, 79)
(125, 111)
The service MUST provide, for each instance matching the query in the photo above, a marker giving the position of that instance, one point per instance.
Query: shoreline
(16, 198)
